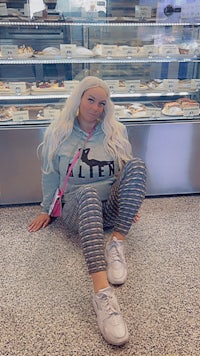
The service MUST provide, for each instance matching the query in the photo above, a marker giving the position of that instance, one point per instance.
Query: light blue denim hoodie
(95, 166)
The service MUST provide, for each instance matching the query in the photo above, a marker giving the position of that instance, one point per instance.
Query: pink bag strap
(75, 159)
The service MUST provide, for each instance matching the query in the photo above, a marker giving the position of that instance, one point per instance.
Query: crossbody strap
(75, 159)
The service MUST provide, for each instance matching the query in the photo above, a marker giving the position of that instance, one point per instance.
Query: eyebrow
(93, 97)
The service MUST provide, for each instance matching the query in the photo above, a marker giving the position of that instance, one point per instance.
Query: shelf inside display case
(76, 42)
(97, 60)
(183, 108)
(153, 65)
(118, 88)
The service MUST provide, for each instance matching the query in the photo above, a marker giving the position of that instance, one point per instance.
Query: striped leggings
(86, 214)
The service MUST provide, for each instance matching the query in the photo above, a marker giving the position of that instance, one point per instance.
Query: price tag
(119, 112)
(143, 12)
(9, 51)
(38, 14)
(101, 3)
(168, 50)
(195, 84)
(149, 50)
(17, 87)
(153, 112)
(170, 84)
(109, 51)
(20, 115)
(194, 111)
(3, 9)
(70, 85)
(51, 114)
(113, 86)
(128, 52)
(132, 86)
(27, 11)
(67, 50)
(92, 15)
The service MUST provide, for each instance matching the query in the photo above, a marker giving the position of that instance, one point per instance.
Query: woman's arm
(50, 182)
(41, 221)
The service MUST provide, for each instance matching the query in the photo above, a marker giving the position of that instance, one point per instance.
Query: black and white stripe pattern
(85, 213)
(126, 197)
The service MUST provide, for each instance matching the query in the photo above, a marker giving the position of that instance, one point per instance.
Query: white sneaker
(116, 264)
(109, 318)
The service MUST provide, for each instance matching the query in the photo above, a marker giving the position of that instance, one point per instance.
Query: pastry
(175, 108)
(48, 87)
(6, 112)
(137, 110)
(155, 84)
(82, 52)
(25, 49)
(190, 104)
(184, 48)
(4, 87)
(51, 51)
(189, 47)
(182, 101)
(172, 108)
(54, 84)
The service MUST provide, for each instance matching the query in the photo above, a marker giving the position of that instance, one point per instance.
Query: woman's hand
(136, 218)
(41, 221)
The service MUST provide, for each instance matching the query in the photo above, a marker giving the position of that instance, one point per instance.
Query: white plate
(46, 56)
(5, 119)
(167, 114)
(9, 92)
(20, 56)
(48, 93)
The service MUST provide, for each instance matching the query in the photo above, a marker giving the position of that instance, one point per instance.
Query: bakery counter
(170, 151)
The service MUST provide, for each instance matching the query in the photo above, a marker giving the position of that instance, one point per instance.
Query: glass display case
(148, 52)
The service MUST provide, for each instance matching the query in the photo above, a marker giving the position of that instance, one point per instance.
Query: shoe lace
(107, 305)
(115, 253)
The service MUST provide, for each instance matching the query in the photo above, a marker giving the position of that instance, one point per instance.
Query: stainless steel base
(171, 152)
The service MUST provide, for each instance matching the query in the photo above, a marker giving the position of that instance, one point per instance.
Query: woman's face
(92, 105)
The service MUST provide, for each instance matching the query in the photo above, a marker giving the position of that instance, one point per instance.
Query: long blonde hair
(115, 141)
